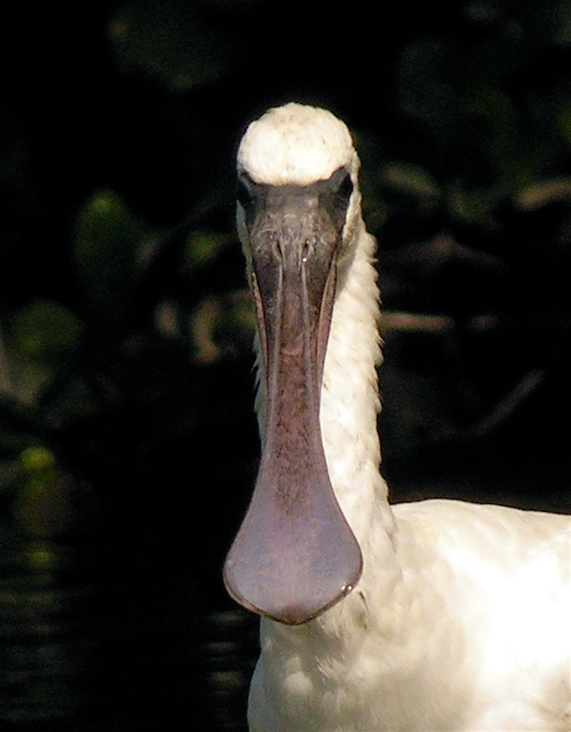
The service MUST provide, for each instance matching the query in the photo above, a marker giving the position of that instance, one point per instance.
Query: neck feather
(349, 397)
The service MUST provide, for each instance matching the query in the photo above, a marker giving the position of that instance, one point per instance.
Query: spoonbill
(431, 616)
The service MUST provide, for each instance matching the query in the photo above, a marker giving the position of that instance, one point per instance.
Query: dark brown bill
(295, 554)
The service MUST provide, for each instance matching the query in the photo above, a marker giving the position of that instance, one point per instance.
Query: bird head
(298, 207)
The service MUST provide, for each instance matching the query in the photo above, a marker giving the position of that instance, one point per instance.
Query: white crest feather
(296, 144)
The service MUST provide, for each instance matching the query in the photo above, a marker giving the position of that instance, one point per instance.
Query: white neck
(349, 396)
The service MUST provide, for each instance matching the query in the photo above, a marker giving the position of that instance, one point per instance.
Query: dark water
(88, 647)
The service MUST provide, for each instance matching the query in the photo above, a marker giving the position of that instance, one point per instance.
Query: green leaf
(473, 206)
(203, 247)
(171, 41)
(411, 180)
(45, 331)
(43, 504)
(108, 237)
(222, 326)
(42, 338)
(495, 115)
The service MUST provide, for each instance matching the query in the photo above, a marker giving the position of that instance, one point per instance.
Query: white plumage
(461, 619)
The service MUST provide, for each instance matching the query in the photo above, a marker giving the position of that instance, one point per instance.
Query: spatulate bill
(295, 554)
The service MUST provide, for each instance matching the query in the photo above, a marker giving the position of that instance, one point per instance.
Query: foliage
(135, 293)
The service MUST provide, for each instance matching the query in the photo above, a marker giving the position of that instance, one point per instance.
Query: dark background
(128, 445)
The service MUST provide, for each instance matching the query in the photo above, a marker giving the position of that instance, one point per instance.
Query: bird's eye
(345, 188)
(338, 195)
(341, 186)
